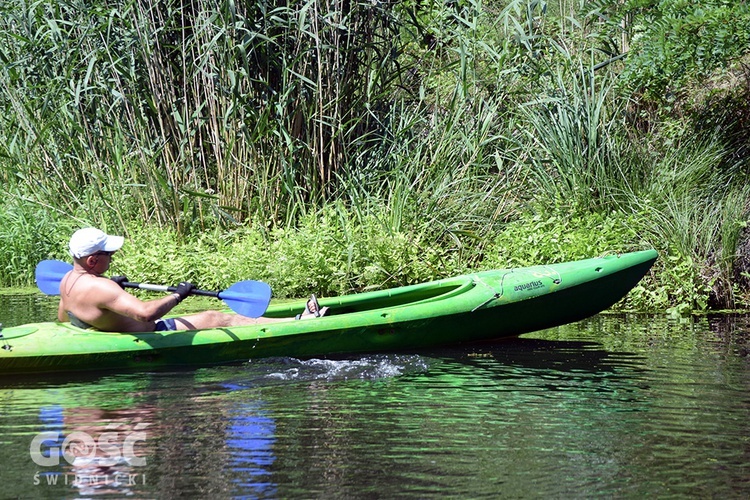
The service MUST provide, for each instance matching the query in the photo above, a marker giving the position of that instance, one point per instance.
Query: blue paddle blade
(247, 298)
(49, 274)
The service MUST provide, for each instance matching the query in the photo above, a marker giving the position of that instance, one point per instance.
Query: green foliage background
(339, 146)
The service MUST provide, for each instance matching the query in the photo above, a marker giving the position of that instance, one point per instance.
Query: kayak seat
(75, 321)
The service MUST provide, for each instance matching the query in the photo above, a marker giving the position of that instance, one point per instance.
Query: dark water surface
(615, 406)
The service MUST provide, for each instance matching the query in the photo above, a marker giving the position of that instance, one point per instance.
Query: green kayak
(474, 307)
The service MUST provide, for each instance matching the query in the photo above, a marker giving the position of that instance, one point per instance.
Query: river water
(614, 406)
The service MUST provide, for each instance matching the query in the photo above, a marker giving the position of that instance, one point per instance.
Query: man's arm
(117, 300)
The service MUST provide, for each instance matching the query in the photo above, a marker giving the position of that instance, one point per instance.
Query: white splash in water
(367, 368)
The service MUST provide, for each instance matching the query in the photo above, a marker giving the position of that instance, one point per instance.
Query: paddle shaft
(165, 288)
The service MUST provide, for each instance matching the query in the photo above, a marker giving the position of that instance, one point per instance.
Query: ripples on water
(613, 406)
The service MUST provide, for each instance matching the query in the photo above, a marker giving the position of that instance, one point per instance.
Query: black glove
(183, 290)
(120, 280)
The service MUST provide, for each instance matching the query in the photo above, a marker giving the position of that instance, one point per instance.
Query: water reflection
(105, 449)
(27, 308)
(92, 437)
(526, 369)
(250, 441)
(560, 356)
(732, 334)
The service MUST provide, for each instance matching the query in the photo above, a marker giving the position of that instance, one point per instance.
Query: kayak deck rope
(557, 280)
(495, 295)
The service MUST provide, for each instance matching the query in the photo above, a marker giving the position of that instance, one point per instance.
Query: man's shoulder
(101, 288)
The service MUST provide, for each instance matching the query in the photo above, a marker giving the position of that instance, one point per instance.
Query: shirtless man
(87, 299)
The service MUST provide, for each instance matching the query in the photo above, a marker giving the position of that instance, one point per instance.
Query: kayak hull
(474, 307)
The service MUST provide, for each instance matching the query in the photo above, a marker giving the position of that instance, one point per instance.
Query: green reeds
(175, 112)
(573, 139)
(701, 211)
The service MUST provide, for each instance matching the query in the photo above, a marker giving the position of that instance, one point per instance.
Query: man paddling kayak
(87, 299)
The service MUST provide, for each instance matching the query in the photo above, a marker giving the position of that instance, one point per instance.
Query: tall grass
(701, 211)
(175, 111)
(189, 115)
(581, 157)
(441, 171)
(572, 138)
(584, 156)
(25, 235)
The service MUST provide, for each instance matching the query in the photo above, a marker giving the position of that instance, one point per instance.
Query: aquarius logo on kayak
(532, 285)
(115, 444)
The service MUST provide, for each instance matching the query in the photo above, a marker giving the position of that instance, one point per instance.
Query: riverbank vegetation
(335, 146)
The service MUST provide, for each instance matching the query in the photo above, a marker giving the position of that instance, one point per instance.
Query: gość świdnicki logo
(114, 446)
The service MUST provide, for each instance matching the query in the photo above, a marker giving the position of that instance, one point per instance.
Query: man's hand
(183, 290)
(120, 280)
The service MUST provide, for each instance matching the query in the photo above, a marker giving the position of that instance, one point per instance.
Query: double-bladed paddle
(247, 298)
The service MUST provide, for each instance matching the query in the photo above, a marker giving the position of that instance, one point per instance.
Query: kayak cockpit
(382, 299)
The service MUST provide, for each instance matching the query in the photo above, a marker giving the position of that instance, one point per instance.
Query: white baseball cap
(90, 240)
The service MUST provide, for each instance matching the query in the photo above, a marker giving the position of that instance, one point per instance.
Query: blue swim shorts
(165, 325)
